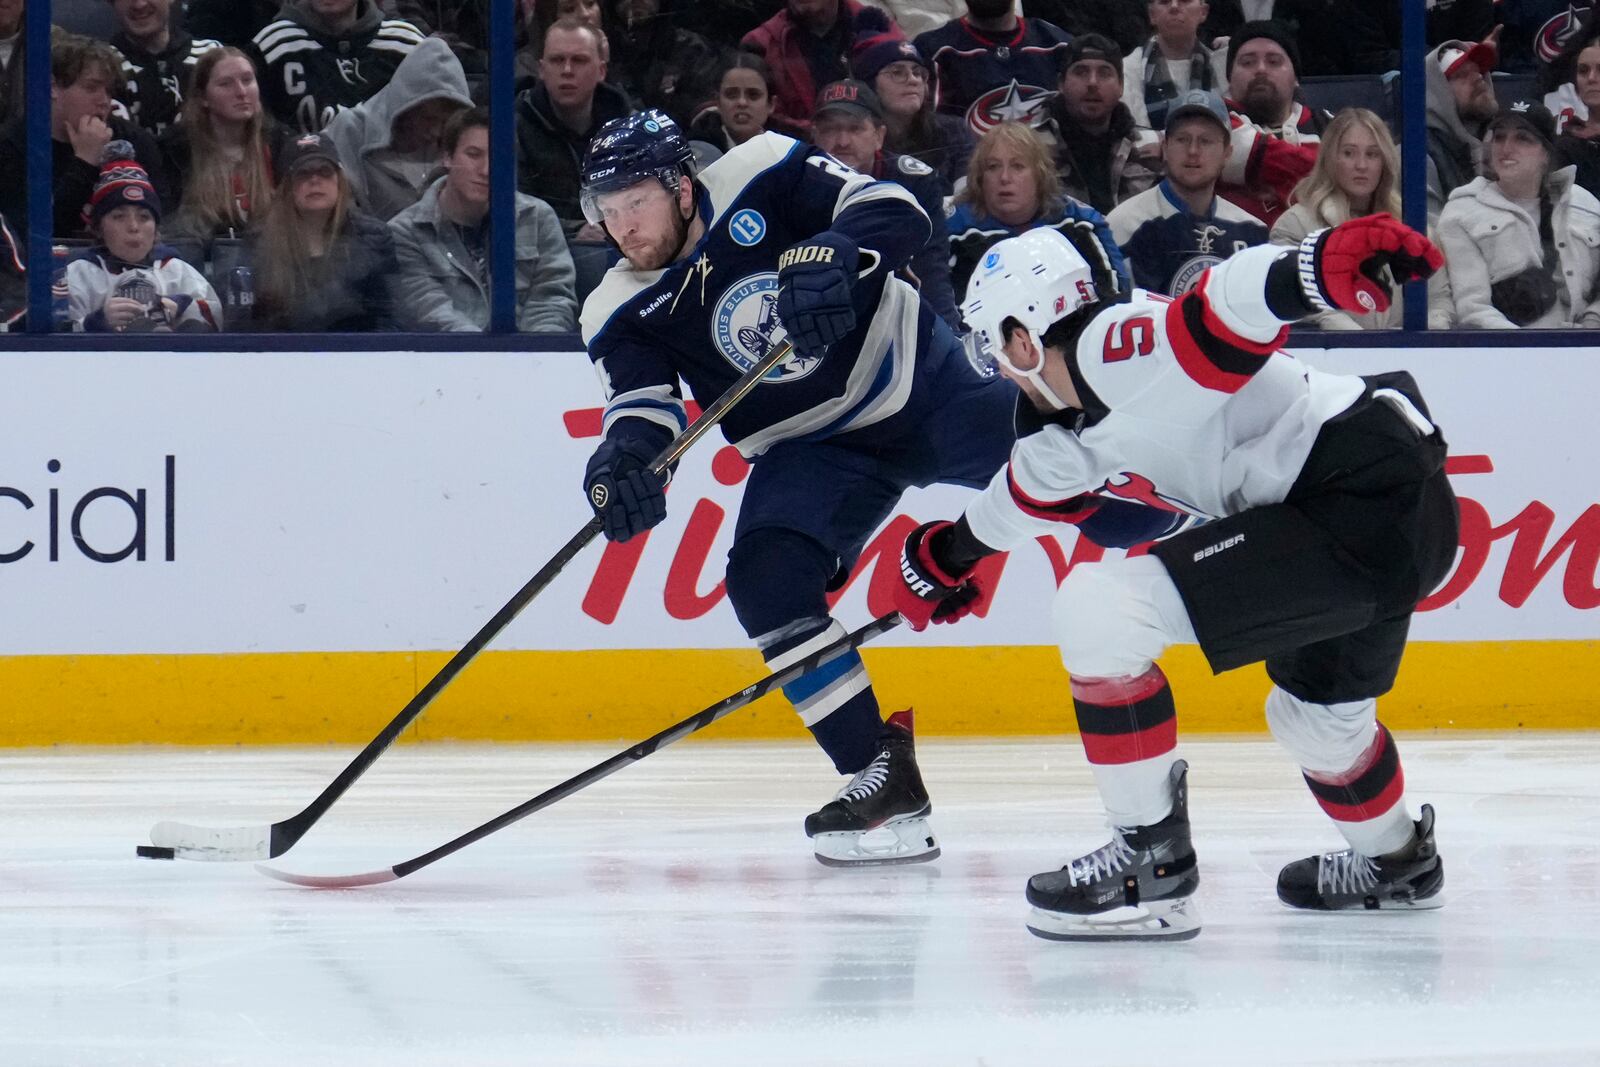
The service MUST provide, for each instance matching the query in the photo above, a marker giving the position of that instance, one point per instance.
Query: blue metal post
(502, 170)
(41, 169)
(1414, 144)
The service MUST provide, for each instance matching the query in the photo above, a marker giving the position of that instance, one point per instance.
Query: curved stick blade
(330, 881)
(205, 843)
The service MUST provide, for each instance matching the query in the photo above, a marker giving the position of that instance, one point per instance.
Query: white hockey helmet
(1035, 278)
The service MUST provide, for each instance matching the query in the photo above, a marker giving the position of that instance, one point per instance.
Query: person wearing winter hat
(1104, 156)
(1263, 72)
(1522, 241)
(1275, 137)
(903, 80)
(129, 282)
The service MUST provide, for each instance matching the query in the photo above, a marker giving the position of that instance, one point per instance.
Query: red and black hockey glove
(1342, 268)
(928, 592)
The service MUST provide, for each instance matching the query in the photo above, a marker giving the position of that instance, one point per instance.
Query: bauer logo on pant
(745, 327)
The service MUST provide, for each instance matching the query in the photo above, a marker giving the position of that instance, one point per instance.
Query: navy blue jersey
(990, 80)
(709, 317)
(931, 264)
(1168, 247)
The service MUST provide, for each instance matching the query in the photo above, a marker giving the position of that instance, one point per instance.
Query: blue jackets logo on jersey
(747, 228)
(745, 327)
(1184, 278)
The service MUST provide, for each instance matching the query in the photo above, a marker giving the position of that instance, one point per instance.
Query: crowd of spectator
(324, 164)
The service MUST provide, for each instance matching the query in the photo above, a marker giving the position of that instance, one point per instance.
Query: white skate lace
(868, 780)
(1103, 862)
(1346, 872)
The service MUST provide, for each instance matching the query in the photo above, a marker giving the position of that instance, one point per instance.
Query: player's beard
(666, 250)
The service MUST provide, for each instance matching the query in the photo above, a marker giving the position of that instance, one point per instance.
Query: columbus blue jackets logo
(745, 326)
(1553, 37)
(1008, 103)
(1184, 278)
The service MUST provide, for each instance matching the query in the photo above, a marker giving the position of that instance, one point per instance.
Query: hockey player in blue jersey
(778, 239)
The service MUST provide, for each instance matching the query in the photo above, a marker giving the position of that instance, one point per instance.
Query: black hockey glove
(624, 492)
(933, 589)
(814, 302)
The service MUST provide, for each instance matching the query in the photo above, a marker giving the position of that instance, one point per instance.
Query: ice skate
(881, 815)
(1349, 881)
(1137, 887)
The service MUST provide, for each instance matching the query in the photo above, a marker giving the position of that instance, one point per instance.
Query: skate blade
(1163, 920)
(901, 841)
(1432, 903)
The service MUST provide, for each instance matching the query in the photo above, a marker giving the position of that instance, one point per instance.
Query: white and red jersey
(1187, 406)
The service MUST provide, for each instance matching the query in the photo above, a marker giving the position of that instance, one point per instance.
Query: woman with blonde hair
(319, 263)
(222, 149)
(1357, 173)
(1012, 187)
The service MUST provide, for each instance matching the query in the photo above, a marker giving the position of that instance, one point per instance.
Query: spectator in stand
(807, 45)
(1375, 30)
(1460, 104)
(390, 143)
(1175, 232)
(1357, 173)
(11, 85)
(1012, 187)
(233, 22)
(657, 64)
(320, 56)
(442, 246)
(1102, 155)
(13, 281)
(157, 62)
(1536, 30)
(848, 125)
(320, 264)
(1171, 62)
(1274, 142)
(557, 118)
(221, 154)
(902, 78)
(84, 77)
(1573, 96)
(129, 281)
(461, 24)
(993, 66)
(1522, 242)
(1122, 21)
(743, 106)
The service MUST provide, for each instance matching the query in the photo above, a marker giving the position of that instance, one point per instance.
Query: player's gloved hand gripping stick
(184, 841)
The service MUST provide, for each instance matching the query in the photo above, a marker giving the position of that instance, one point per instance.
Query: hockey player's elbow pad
(815, 305)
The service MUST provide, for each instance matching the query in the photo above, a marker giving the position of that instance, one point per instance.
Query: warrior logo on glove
(599, 495)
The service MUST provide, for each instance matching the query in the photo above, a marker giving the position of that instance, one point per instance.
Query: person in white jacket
(1522, 242)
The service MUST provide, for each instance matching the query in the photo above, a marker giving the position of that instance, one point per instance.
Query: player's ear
(686, 196)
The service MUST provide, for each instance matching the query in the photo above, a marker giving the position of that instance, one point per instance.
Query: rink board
(283, 547)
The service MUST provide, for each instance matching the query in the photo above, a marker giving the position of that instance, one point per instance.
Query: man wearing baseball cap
(1460, 103)
(847, 123)
(1103, 156)
(1172, 233)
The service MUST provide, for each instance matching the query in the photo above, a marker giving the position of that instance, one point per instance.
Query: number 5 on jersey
(1131, 337)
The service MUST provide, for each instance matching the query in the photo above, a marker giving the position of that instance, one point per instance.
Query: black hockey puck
(156, 852)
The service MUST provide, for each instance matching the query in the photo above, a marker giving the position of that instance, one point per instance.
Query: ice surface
(673, 914)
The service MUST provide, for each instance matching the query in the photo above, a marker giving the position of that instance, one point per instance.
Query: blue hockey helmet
(632, 149)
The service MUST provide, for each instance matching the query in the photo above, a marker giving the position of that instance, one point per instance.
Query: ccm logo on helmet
(805, 254)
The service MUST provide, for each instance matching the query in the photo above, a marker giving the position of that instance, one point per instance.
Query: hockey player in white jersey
(1327, 518)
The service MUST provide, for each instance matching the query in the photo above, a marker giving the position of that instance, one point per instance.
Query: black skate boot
(1349, 881)
(1135, 888)
(881, 815)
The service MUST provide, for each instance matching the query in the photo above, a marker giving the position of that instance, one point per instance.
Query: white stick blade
(207, 843)
(330, 881)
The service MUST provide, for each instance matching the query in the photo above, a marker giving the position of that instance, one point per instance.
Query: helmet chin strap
(1035, 375)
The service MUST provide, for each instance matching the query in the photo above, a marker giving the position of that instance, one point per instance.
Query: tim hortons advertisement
(156, 503)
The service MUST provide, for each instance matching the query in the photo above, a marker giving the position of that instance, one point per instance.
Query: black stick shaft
(672, 734)
(292, 829)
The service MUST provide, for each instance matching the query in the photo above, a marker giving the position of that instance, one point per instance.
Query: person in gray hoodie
(442, 245)
(1460, 103)
(392, 140)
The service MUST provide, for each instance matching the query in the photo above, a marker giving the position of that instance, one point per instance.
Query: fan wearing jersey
(1328, 518)
(778, 240)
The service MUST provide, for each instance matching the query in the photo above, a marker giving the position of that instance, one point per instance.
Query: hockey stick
(676, 732)
(185, 841)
